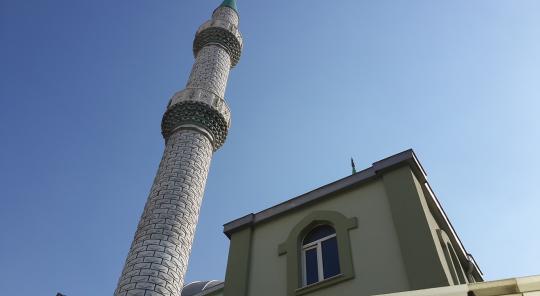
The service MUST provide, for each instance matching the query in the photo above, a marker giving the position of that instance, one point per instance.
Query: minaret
(194, 125)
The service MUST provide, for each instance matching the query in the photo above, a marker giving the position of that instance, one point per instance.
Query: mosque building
(379, 231)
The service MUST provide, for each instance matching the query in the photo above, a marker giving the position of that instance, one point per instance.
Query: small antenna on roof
(353, 166)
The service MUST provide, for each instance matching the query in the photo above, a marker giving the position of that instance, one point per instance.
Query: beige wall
(524, 286)
(377, 260)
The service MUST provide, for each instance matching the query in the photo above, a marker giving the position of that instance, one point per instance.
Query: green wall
(378, 266)
(416, 230)
(394, 247)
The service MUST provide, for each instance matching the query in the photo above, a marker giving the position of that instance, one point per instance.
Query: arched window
(456, 271)
(320, 258)
(457, 265)
(304, 235)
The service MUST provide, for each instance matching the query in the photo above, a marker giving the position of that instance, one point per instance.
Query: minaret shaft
(159, 254)
(211, 70)
(194, 125)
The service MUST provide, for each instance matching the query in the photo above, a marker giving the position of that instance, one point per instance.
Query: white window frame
(320, 270)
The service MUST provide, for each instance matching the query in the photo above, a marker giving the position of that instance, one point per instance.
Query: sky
(83, 86)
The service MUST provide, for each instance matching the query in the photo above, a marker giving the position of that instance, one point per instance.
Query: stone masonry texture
(160, 250)
(226, 14)
(159, 254)
(211, 70)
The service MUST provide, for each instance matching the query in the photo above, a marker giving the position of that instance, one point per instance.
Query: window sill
(322, 284)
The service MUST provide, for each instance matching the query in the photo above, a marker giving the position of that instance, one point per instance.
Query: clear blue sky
(84, 84)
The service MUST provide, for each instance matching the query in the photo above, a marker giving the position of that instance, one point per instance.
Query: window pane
(318, 233)
(312, 273)
(330, 257)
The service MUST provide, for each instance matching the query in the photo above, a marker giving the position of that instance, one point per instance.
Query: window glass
(330, 257)
(318, 233)
(320, 254)
(312, 274)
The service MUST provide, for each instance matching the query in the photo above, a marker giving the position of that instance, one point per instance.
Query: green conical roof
(230, 3)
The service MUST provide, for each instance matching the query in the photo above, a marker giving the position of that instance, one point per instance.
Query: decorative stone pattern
(226, 14)
(202, 96)
(211, 70)
(159, 254)
(217, 34)
(221, 30)
(194, 125)
(198, 114)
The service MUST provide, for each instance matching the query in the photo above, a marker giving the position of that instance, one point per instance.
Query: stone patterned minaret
(194, 125)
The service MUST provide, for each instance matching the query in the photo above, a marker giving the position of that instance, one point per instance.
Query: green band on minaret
(230, 3)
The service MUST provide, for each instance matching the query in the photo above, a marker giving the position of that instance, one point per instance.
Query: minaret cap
(230, 3)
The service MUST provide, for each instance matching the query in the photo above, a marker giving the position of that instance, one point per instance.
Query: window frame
(291, 248)
(317, 245)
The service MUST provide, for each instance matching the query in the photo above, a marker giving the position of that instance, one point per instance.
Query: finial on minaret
(230, 3)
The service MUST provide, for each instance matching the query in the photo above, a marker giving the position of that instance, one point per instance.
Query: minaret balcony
(198, 107)
(202, 96)
(222, 33)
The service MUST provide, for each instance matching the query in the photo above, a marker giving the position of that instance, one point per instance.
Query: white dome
(196, 287)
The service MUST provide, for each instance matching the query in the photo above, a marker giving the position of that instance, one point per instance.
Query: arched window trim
(292, 249)
(456, 271)
(457, 266)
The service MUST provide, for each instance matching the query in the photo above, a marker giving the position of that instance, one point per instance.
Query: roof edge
(406, 157)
